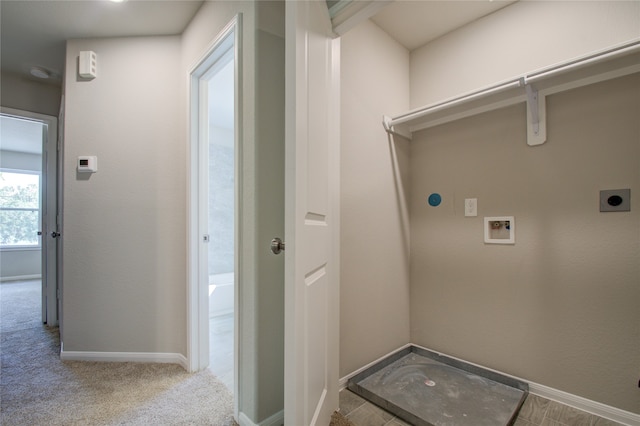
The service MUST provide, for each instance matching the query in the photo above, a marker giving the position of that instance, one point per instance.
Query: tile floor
(221, 323)
(536, 411)
(221, 348)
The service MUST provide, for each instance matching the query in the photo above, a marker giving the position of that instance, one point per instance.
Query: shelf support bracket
(536, 117)
(394, 130)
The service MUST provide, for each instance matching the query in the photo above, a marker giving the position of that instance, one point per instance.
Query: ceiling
(33, 32)
(414, 23)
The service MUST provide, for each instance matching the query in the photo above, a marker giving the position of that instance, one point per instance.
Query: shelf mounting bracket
(394, 130)
(536, 116)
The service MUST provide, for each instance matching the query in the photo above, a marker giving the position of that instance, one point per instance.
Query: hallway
(37, 388)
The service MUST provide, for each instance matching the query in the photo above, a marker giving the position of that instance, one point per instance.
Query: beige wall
(559, 307)
(269, 216)
(124, 227)
(20, 264)
(125, 245)
(374, 243)
(22, 93)
(520, 38)
(555, 308)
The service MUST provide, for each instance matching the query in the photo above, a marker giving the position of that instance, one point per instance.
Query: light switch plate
(470, 207)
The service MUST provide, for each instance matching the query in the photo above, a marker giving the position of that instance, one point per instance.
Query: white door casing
(311, 215)
(226, 43)
(50, 210)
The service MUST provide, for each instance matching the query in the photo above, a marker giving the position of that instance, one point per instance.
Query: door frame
(197, 288)
(50, 218)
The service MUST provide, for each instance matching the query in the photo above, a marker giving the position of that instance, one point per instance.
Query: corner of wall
(374, 294)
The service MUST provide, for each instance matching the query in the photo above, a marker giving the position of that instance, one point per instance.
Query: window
(19, 209)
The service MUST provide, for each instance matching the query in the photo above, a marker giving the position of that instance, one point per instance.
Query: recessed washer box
(500, 230)
(615, 200)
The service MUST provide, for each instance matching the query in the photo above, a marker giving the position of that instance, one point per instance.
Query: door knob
(55, 234)
(277, 245)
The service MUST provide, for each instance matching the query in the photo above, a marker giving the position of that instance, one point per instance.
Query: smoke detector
(40, 72)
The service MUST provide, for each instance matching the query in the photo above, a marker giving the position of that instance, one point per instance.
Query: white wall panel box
(87, 64)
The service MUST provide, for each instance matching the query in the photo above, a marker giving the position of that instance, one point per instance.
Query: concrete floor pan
(426, 388)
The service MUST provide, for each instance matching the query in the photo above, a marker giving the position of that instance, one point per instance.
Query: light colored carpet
(36, 388)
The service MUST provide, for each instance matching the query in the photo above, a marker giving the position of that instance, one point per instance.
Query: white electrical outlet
(470, 207)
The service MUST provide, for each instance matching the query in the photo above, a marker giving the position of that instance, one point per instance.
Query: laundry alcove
(555, 306)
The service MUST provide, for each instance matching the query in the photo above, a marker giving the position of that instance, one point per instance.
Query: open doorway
(29, 207)
(221, 216)
(214, 227)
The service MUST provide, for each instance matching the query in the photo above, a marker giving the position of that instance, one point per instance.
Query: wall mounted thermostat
(87, 164)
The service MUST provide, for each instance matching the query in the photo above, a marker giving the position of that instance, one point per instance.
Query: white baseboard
(163, 358)
(342, 383)
(243, 420)
(593, 407)
(275, 420)
(21, 278)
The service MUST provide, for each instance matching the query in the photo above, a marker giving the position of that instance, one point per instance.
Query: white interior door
(311, 215)
(50, 221)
